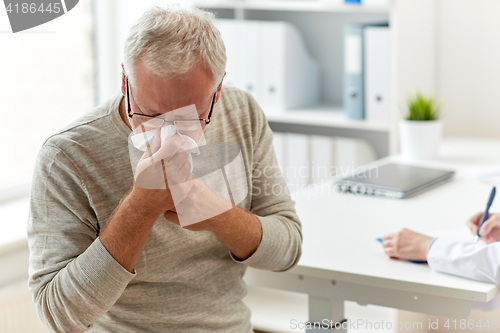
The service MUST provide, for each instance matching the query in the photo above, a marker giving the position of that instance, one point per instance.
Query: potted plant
(421, 129)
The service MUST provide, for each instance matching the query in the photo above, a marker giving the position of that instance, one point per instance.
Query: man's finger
(174, 163)
(181, 162)
(152, 146)
(178, 175)
(168, 148)
(190, 176)
(156, 141)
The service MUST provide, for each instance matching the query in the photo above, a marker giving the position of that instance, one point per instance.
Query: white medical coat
(478, 261)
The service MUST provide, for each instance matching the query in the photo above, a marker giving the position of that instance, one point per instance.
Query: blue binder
(354, 96)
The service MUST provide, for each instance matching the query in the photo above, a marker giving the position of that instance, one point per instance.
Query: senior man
(107, 252)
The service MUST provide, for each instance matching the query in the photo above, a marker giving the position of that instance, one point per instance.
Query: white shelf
(308, 6)
(324, 115)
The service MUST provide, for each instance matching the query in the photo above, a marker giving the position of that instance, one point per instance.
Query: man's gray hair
(172, 39)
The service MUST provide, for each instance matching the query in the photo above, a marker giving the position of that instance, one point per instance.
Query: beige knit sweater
(185, 281)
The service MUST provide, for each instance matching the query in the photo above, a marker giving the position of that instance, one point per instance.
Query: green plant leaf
(421, 108)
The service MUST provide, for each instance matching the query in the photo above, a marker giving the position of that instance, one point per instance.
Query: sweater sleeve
(477, 261)
(280, 245)
(73, 278)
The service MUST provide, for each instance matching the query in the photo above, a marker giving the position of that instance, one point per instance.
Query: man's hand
(188, 201)
(198, 209)
(160, 168)
(129, 228)
(236, 228)
(407, 244)
(490, 230)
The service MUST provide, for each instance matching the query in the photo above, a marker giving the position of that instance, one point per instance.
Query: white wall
(469, 66)
(414, 23)
(450, 49)
(46, 81)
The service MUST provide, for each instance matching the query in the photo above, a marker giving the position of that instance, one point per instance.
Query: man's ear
(123, 81)
(219, 88)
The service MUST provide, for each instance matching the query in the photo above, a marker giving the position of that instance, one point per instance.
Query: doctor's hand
(490, 230)
(407, 244)
(161, 167)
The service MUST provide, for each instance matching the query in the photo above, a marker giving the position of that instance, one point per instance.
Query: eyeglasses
(157, 122)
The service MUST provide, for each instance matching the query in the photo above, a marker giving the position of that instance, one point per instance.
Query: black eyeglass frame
(130, 114)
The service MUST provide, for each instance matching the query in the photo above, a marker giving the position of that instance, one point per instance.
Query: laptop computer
(393, 180)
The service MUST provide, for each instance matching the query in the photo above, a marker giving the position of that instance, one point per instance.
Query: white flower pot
(420, 140)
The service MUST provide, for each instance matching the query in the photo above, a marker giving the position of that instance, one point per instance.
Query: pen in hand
(486, 213)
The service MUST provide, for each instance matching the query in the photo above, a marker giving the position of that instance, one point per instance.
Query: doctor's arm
(477, 261)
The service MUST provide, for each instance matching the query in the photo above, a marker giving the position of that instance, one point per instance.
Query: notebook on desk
(394, 180)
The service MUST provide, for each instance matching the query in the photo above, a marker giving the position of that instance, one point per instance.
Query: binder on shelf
(377, 72)
(273, 57)
(271, 62)
(291, 76)
(301, 70)
(353, 96)
(248, 60)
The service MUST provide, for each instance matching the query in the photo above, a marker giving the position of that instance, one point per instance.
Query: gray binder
(354, 97)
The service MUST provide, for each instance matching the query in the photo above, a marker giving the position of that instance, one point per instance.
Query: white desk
(341, 259)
